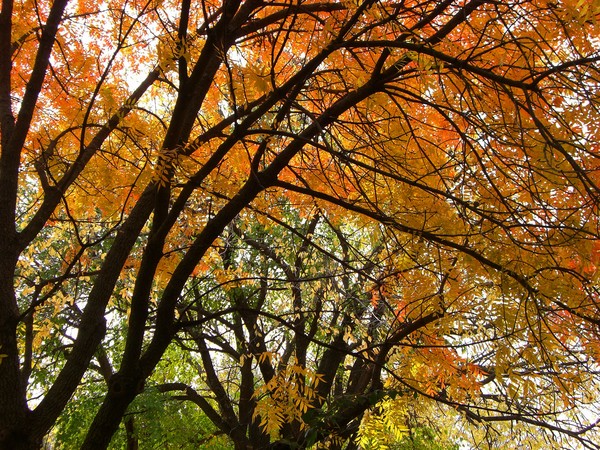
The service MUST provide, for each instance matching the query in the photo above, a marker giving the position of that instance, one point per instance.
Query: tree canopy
(300, 223)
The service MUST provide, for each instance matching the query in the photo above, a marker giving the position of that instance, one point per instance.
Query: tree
(448, 148)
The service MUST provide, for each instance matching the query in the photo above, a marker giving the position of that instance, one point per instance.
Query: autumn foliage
(313, 222)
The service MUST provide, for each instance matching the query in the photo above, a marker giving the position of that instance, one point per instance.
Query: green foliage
(422, 439)
(159, 422)
(73, 423)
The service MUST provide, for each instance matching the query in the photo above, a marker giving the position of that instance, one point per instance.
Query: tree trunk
(15, 432)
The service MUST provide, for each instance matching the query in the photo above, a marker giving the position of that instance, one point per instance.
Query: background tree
(445, 152)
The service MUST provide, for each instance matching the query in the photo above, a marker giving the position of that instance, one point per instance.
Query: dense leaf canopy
(300, 222)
